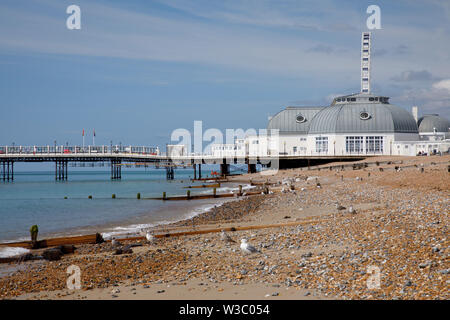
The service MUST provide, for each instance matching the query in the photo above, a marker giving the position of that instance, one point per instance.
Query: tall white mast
(365, 62)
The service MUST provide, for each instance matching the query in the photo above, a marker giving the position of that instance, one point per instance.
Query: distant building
(176, 150)
(433, 127)
(358, 124)
(238, 149)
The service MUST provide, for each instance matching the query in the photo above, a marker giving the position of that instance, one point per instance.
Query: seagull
(351, 210)
(225, 237)
(150, 237)
(247, 248)
(115, 243)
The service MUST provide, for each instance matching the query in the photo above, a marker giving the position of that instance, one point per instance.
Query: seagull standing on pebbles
(351, 210)
(225, 237)
(247, 248)
(150, 237)
(115, 243)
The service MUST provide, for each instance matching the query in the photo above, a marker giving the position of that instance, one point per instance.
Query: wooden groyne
(217, 179)
(215, 185)
(206, 196)
(87, 239)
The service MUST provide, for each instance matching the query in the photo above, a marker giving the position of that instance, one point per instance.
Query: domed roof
(362, 113)
(431, 122)
(293, 119)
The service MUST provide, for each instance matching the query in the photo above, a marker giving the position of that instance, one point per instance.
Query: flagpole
(93, 139)
(83, 139)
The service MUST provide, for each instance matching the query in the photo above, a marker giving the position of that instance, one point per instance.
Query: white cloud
(435, 99)
(443, 84)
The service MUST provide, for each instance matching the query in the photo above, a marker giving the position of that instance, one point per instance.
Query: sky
(139, 69)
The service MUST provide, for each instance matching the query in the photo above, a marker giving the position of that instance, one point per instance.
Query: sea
(62, 208)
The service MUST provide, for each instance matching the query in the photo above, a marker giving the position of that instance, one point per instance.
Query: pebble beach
(320, 234)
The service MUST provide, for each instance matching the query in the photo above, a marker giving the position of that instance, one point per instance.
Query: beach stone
(444, 271)
(52, 254)
(124, 250)
(67, 248)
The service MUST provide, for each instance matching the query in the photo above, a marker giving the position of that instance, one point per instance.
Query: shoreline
(184, 210)
(308, 249)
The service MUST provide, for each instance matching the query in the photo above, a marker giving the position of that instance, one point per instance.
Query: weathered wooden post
(138, 196)
(34, 233)
(240, 190)
(113, 196)
(188, 193)
(164, 195)
(214, 192)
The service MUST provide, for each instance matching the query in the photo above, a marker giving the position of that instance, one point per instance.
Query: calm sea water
(36, 198)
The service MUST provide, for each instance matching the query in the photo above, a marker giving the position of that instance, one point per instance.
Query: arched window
(364, 115)
(300, 118)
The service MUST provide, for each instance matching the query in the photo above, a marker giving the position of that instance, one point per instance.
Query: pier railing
(55, 149)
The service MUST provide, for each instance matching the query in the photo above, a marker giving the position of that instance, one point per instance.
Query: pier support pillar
(7, 170)
(61, 170)
(116, 169)
(195, 171)
(170, 173)
(251, 168)
(199, 171)
(224, 169)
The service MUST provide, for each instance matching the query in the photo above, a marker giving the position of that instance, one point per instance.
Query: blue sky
(137, 70)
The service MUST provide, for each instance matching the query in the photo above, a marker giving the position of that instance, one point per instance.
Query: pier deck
(117, 157)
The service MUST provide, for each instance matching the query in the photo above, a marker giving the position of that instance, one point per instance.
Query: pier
(139, 156)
